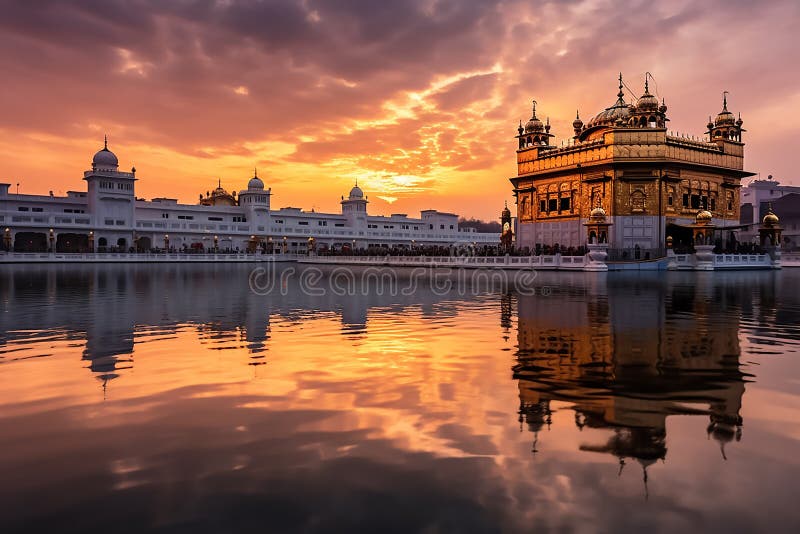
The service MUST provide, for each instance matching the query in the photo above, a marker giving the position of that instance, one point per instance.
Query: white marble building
(108, 216)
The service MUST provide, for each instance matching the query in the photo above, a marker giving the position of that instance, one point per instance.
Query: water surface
(171, 398)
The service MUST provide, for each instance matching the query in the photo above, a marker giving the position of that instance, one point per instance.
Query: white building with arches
(108, 216)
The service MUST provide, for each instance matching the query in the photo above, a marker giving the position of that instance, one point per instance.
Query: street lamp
(166, 242)
(52, 240)
(7, 239)
(91, 240)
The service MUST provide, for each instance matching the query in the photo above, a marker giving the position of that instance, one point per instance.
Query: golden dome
(618, 111)
(577, 123)
(770, 219)
(647, 102)
(725, 117)
(598, 213)
(703, 216)
(534, 125)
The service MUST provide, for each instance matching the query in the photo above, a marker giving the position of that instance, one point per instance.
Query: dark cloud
(320, 74)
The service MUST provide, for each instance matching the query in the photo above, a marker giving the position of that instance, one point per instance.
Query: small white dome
(255, 183)
(356, 192)
(105, 158)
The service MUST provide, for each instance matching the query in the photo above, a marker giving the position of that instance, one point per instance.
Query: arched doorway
(122, 244)
(102, 244)
(681, 237)
(144, 244)
(72, 243)
(30, 242)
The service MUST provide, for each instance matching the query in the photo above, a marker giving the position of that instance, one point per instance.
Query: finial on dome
(577, 115)
(620, 94)
(255, 172)
(534, 110)
(219, 182)
(356, 181)
(646, 85)
(105, 142)
(724, 100)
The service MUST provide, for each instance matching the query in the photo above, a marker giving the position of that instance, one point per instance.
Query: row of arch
(64, 242)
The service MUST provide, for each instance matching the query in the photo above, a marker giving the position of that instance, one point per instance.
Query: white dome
(255, 183)
(356, 192)
(105, 158)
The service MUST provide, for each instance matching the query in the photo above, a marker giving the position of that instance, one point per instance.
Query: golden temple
(649, 182)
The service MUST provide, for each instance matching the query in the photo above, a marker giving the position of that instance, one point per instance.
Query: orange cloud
(417, 100)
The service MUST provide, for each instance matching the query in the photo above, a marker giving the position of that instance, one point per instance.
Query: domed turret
(598, 214)
(218, 197)
(619, 111)
(647, 103)
(725, 126)
(356, 193)
(105, 159)
(770, 219)
(724, 117)
(577, 124)
(703, 217)
(255, 182)
(534, 125)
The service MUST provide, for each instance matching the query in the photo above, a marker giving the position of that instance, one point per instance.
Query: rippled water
(172, 398)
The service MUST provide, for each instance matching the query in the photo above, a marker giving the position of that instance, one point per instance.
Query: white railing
(506, 262)
(738, 261)
(123, 257)
(790, 259)
(725, 261)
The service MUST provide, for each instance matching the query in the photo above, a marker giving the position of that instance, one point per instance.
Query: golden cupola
(725, 126)
(770, 219)
(535, 132)
(646, 113)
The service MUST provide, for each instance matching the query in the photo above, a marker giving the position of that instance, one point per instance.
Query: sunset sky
(419, 100)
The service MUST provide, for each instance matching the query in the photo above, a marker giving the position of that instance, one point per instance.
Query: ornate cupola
(104, 159)
(725, 126)
(255, 196)
(507, 233)
(577, 124)
(618, 114)
(646, 113)
(535, 133)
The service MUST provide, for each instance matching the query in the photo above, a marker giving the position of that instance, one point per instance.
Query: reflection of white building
(109, 216)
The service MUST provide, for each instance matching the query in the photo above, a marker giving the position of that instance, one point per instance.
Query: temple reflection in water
(626, 360)
(623, 358)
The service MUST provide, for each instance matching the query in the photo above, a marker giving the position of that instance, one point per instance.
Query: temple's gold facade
(649, 182)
